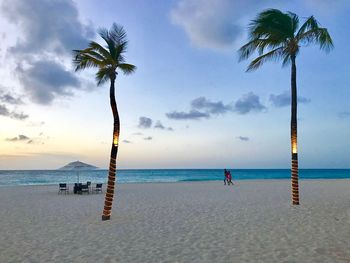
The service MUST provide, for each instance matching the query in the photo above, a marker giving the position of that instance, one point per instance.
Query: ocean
(41, 177)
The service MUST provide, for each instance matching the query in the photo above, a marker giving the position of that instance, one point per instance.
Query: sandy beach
(251, 221)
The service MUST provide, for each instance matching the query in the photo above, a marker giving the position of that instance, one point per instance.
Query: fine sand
(251, 221)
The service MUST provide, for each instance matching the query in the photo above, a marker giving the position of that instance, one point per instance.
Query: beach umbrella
(78, 167)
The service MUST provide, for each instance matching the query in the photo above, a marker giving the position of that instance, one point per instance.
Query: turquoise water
(39, 177)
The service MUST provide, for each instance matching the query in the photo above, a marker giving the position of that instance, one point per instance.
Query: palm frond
(100, 49)
(274, 54)
(114, 38)
(318, 36)
(295, 21)
(82, 60)
(118, 34)
(127, 68)
(257, 44)
(103, 75)
(271, 23)
(309, 24)
(119, 50)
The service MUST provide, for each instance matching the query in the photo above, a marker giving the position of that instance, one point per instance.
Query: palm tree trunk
(114, 151)
(294, 137)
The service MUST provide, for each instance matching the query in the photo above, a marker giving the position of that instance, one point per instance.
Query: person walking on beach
(225, 174)
(229, 178)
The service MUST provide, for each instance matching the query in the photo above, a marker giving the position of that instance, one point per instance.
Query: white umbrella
(78, 166)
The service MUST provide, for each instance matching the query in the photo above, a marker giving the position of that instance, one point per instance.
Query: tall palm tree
(280, 34)
(108, 60)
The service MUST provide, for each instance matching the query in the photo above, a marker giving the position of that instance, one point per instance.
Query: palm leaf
(274, 54)
(83, 60)
(309, 24)
(318, 36)
(271, 23)
(100, 49)
(127, 68)
(103, 75)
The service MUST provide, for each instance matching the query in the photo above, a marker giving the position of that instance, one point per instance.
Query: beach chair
(97, 188)
(85, 188)
(63, 188)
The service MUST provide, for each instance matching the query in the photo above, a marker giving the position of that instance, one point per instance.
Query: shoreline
(189, 181)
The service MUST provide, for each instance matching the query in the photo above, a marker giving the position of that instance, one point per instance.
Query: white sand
(251, 221)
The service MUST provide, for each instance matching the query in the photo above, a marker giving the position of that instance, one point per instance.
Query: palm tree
(108, 60)
(280, 34)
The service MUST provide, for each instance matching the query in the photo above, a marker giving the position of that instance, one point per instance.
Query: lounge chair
(63, 188)
(85, 188)
(97, 188)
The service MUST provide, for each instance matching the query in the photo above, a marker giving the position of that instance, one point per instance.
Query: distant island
(78, 166)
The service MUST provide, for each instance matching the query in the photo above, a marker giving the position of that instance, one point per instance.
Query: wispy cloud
(249, 102)
(284, 99)
(10, 99)
(145, 122)
(20, 137)
(149, 138)
(160, 126)
(4, 111)
(211, 107)
(191, 115)
(127, 141)
(243, 138)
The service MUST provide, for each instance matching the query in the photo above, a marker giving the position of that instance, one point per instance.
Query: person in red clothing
(225, 180)
(229, 178)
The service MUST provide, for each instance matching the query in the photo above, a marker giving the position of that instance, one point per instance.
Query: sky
(190, 103)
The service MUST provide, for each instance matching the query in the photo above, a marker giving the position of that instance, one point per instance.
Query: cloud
(243, 138)
(20, 137)
(215, 24)
(46, 26)
(10, 99)
(149, 138)
(248, 103)
(344, 114)
(18, 116)
(4, 111)
(160, 126)
(145, 122)
(47, 29)
(44, 80)
(202, 108)
(208, 106)
(137, 133)
(284, 99)
(127, 141)
(7, 99)
(191, 115)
